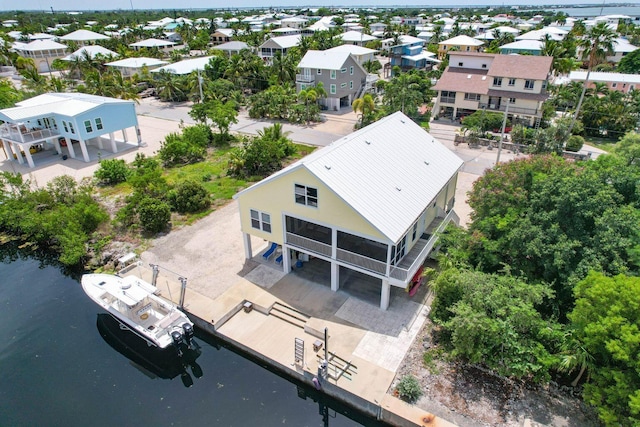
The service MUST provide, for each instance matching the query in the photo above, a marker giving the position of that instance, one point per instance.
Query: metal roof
(185, 67)
(92, 51)
(38, 45)
(389, 172)
(324, 59)
(136, 62)
(67, 104)
(152, 43)
(462, 41)
(84, 35)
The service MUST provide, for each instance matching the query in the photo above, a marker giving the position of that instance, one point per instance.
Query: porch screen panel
(362, 246)
(310, 230)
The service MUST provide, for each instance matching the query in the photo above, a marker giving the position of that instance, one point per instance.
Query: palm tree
(366, 106)
(597, 44)
(308, 96)
(574, 355)
(283, 69)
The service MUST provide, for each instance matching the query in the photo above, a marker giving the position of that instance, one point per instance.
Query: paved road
(318, 134)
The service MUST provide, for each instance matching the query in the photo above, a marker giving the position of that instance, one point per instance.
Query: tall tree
(597, 44)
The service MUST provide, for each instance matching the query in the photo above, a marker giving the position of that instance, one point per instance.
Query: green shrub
(154, 215)
(112, 171)
(189, 196)
(177, 150)
(409, 388)
(200, 135)
(574, 143)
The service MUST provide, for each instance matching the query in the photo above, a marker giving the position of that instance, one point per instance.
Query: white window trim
(263, 224)
(332, 89)
(88, 127)
(333, 75)
(303, 190)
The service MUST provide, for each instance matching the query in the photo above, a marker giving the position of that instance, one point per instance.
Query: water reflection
(151, 361)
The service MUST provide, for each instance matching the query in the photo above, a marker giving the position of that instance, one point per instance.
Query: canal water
(61, 364)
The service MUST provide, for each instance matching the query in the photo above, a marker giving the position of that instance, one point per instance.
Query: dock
(282, 323)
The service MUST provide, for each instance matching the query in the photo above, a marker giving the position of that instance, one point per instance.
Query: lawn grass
(605, 144)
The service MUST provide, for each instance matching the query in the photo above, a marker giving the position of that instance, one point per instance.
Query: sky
(46, 5)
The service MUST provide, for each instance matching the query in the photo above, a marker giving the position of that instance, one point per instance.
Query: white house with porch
(58, 120)
(373, 202)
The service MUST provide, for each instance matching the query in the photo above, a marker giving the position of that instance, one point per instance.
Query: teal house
(68, 123)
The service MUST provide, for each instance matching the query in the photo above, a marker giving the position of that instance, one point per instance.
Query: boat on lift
(136, 304)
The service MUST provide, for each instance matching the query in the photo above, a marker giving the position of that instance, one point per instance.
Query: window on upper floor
(484, 65)
(460, 64)
(260, 220)
(497, 81)
(512, 100)
(472, 97)
(343, 85)
(351, 70)
(64, 125)
(512, 82)
(306, 195)
(344, 70)
(87, 126)
(71, 128)
(319, 72)
(332, 89)
(99, 123)
(333, 75)
(528, 84)
(614, 85)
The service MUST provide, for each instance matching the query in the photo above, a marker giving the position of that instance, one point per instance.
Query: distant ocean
(593, 11)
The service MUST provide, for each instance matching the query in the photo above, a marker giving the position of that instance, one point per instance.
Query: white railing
(17, 136)
(403, 274)
(309, 244)
(361, 261)
(305, 78)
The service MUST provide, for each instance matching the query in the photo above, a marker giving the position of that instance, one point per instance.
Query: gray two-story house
(342, 76)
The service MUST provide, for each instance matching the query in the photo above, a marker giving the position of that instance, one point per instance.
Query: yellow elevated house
(372, 202)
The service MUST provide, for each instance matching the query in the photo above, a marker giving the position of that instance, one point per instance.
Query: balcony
(401, 273)
(447, 99)
(20, 134)
(305, 78)
(412, 261)
(512, 109)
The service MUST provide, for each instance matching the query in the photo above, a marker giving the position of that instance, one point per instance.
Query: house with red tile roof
(483, 81)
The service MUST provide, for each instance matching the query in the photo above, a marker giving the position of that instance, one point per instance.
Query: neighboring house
(377, 26)
(342, 76)
(163, 45)
(43, 52)
(614, 81)
(294, 22)
(282, 44)
(409, 54)
(231, 48)
(459, 44)
(492, 82)
(84, 37)
(55, 120)
(91, 52)
(372, 203)
(220, 36)
(555, 33)
(621, 48)
(130, 66)
(361, 54)
(186, 66)
(356, 38)
(523, 47)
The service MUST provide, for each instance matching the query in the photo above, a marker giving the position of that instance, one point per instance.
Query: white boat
(137, 306)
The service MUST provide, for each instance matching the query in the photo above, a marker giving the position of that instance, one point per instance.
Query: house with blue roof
(409, 54)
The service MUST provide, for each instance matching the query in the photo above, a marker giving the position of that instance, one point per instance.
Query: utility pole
(504, 124)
